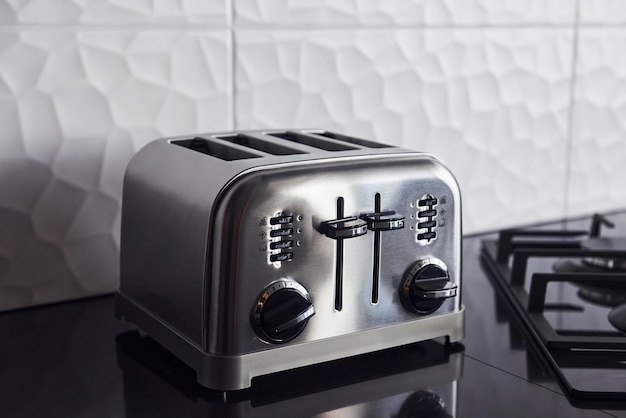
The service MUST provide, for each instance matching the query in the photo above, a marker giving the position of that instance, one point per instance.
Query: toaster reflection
(418, 380)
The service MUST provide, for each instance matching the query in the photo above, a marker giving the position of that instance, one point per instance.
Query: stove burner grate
(507, 261)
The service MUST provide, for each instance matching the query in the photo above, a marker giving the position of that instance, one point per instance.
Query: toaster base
(228, 373)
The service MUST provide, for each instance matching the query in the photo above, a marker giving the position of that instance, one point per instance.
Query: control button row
(427, 213)
(282, 238)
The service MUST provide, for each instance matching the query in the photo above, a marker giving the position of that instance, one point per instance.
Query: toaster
(254, 252)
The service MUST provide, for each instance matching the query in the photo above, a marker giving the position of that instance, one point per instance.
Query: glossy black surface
(75, 359)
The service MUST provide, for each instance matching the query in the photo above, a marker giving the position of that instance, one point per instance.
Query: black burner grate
(569, 353)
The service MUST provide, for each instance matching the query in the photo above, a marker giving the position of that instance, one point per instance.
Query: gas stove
(567, 288)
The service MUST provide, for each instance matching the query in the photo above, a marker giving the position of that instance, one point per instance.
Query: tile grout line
(569, 138)
(232, 26)
(233, 63)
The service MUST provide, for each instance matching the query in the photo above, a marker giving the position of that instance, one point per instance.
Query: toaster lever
(349, 227)
(383, 221)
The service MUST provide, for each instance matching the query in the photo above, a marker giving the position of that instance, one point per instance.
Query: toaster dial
(426, 286)
(281, 311)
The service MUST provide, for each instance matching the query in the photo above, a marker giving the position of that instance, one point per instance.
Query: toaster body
(249, 253)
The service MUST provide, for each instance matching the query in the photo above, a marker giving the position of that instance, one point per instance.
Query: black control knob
(426, 286)
(281, 311)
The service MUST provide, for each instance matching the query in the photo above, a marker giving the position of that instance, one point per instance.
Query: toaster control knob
(281, 311)
(426, 286)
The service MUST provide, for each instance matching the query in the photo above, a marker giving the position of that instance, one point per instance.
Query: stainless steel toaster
(253, 252)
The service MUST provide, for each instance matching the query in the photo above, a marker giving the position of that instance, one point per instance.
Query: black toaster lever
(340, 229)
(349, 227)
(383, 221)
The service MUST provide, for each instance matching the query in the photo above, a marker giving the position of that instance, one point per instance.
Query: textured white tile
(492, 103)
(114, 11)
(74, 107)
(598, 157)
(403, 12)
(602, 11)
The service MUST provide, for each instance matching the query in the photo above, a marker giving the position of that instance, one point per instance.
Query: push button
(432, 201)
(281, 245)
(427, 224)
(283, 232)
(281, 220)
(288, 256)
(427, 213)
(427, 235)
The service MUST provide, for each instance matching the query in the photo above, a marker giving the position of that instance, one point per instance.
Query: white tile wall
(602, 12)
(74, 106)
(114, 12)
(522, 99)
(492, 103)
(403, 12)
(598, 158)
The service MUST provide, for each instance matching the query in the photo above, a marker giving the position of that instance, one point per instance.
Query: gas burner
(617, 318)
(608, 263)
(604, 294)
(601, 296)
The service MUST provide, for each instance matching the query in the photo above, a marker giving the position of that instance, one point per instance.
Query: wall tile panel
(598, 156)
(114, 12)
(602, 12)
(74, 107)
(492, 103)
(321, 13)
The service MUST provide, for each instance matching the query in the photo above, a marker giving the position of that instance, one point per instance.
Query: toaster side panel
(167, 199)
(271, 236)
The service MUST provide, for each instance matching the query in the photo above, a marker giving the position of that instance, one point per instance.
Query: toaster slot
(377, 222)
(259, 144)
(311, 141)
(340, 229)
(350, 139)
(377, 255)
(339, 265)
(214, 149)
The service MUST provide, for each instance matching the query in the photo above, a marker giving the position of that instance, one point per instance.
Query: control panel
(282, 310)
(279, 235)
(426, 219)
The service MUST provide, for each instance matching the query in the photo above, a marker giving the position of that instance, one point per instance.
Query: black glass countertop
(76, 360)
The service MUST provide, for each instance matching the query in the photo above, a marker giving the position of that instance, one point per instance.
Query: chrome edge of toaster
(247, 253)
